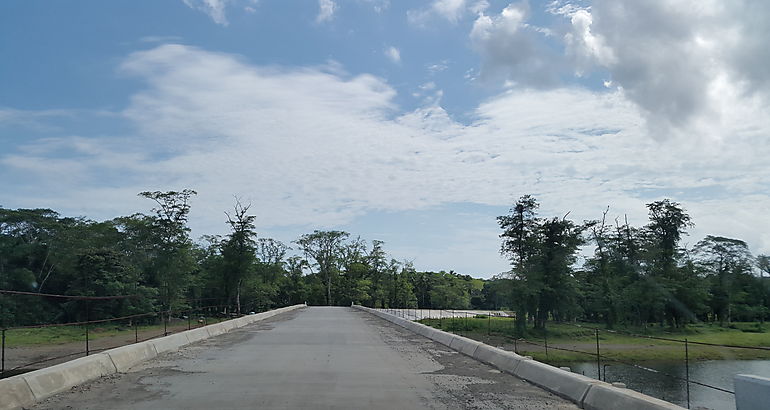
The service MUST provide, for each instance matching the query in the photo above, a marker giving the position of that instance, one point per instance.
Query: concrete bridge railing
(584, 391)
(25, 389)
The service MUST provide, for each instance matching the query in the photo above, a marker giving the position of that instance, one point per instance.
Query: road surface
(313, 358)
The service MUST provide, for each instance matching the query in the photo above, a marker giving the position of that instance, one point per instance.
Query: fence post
(2, 367)
(189, 319)
(88, 318)
(598, 357)
(687, 370)
(165, 323)
(545, 339)
(489, 324)
(136, 330)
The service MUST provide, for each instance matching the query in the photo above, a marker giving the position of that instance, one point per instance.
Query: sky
(412, 122)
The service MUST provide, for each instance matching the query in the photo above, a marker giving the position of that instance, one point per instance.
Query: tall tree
(723, 260)
(519, 244)
(238, 251)
(174, 261)
(324, 248)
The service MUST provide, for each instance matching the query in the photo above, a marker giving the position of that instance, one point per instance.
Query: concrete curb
(602, 396)
(25, 389)
(584, 391)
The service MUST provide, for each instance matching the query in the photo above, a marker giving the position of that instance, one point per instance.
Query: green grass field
(615, 345)
(67, 334)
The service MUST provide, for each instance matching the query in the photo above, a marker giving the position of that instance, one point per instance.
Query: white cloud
(326, 9)
(684, 63)
(393, 54)
(217, 9)
(450, 10)
(312, 147)
(214, 8)
(512, 49)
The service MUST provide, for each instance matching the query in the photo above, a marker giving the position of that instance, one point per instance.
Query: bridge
(314, 357)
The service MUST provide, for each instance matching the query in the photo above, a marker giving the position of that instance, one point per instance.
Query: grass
(68, 334)
(615, 345)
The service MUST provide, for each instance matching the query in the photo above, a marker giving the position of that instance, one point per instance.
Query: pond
(717, 373)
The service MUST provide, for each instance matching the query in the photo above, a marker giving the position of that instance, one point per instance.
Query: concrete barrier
(464, 345)
(751, 392)
(200, 333)
(569, 385)
(228, 325)
(15, 393)
(171, 342)
(216, 329)
(126, 357)
(46, 382)
(25, 389)
(603, 396)
(503, 360)
(584, 391)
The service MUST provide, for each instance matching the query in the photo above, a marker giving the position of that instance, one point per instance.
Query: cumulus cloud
(514, 50)
(393, 54)
(684, 63)
(314, 146)
(326, 9)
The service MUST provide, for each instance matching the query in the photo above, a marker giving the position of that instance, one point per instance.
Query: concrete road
(314, 358)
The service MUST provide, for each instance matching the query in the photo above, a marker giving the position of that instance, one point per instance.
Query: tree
(238, 251)
(173, 261)
(723, 260)
(519, 244)
(324, 249)
(664, 280)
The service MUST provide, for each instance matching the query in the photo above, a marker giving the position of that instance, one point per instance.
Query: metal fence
(21, 358)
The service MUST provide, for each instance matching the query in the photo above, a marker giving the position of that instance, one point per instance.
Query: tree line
(153, 256)
(632, 276)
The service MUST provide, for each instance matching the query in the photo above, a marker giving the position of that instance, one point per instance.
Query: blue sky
(416, 123)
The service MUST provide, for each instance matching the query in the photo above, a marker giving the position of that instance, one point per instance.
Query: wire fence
(469, 323)
(29, 347)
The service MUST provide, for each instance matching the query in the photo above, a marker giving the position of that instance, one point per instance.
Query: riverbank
(578, 342)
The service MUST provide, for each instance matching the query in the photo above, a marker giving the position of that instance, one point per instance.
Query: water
(714, 372)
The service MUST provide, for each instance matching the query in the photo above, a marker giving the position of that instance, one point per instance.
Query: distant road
(316, 358)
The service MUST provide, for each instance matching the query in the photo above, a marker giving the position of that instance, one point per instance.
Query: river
(713, 372)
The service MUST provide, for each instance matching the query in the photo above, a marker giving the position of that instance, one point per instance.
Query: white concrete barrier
(216, 329)
(586, 392)
(200, 333)
(126, 357)
(464, 345)
(15, 393)
(603, 396)
(25, 389)
(502, 359)
(751, 392)
(569, 385)
(171, 342)
(46, 382)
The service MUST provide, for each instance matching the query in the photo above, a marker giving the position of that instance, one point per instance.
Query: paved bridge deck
(318, 357)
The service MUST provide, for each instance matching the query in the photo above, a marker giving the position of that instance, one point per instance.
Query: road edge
(584, 391)
(26, 389)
